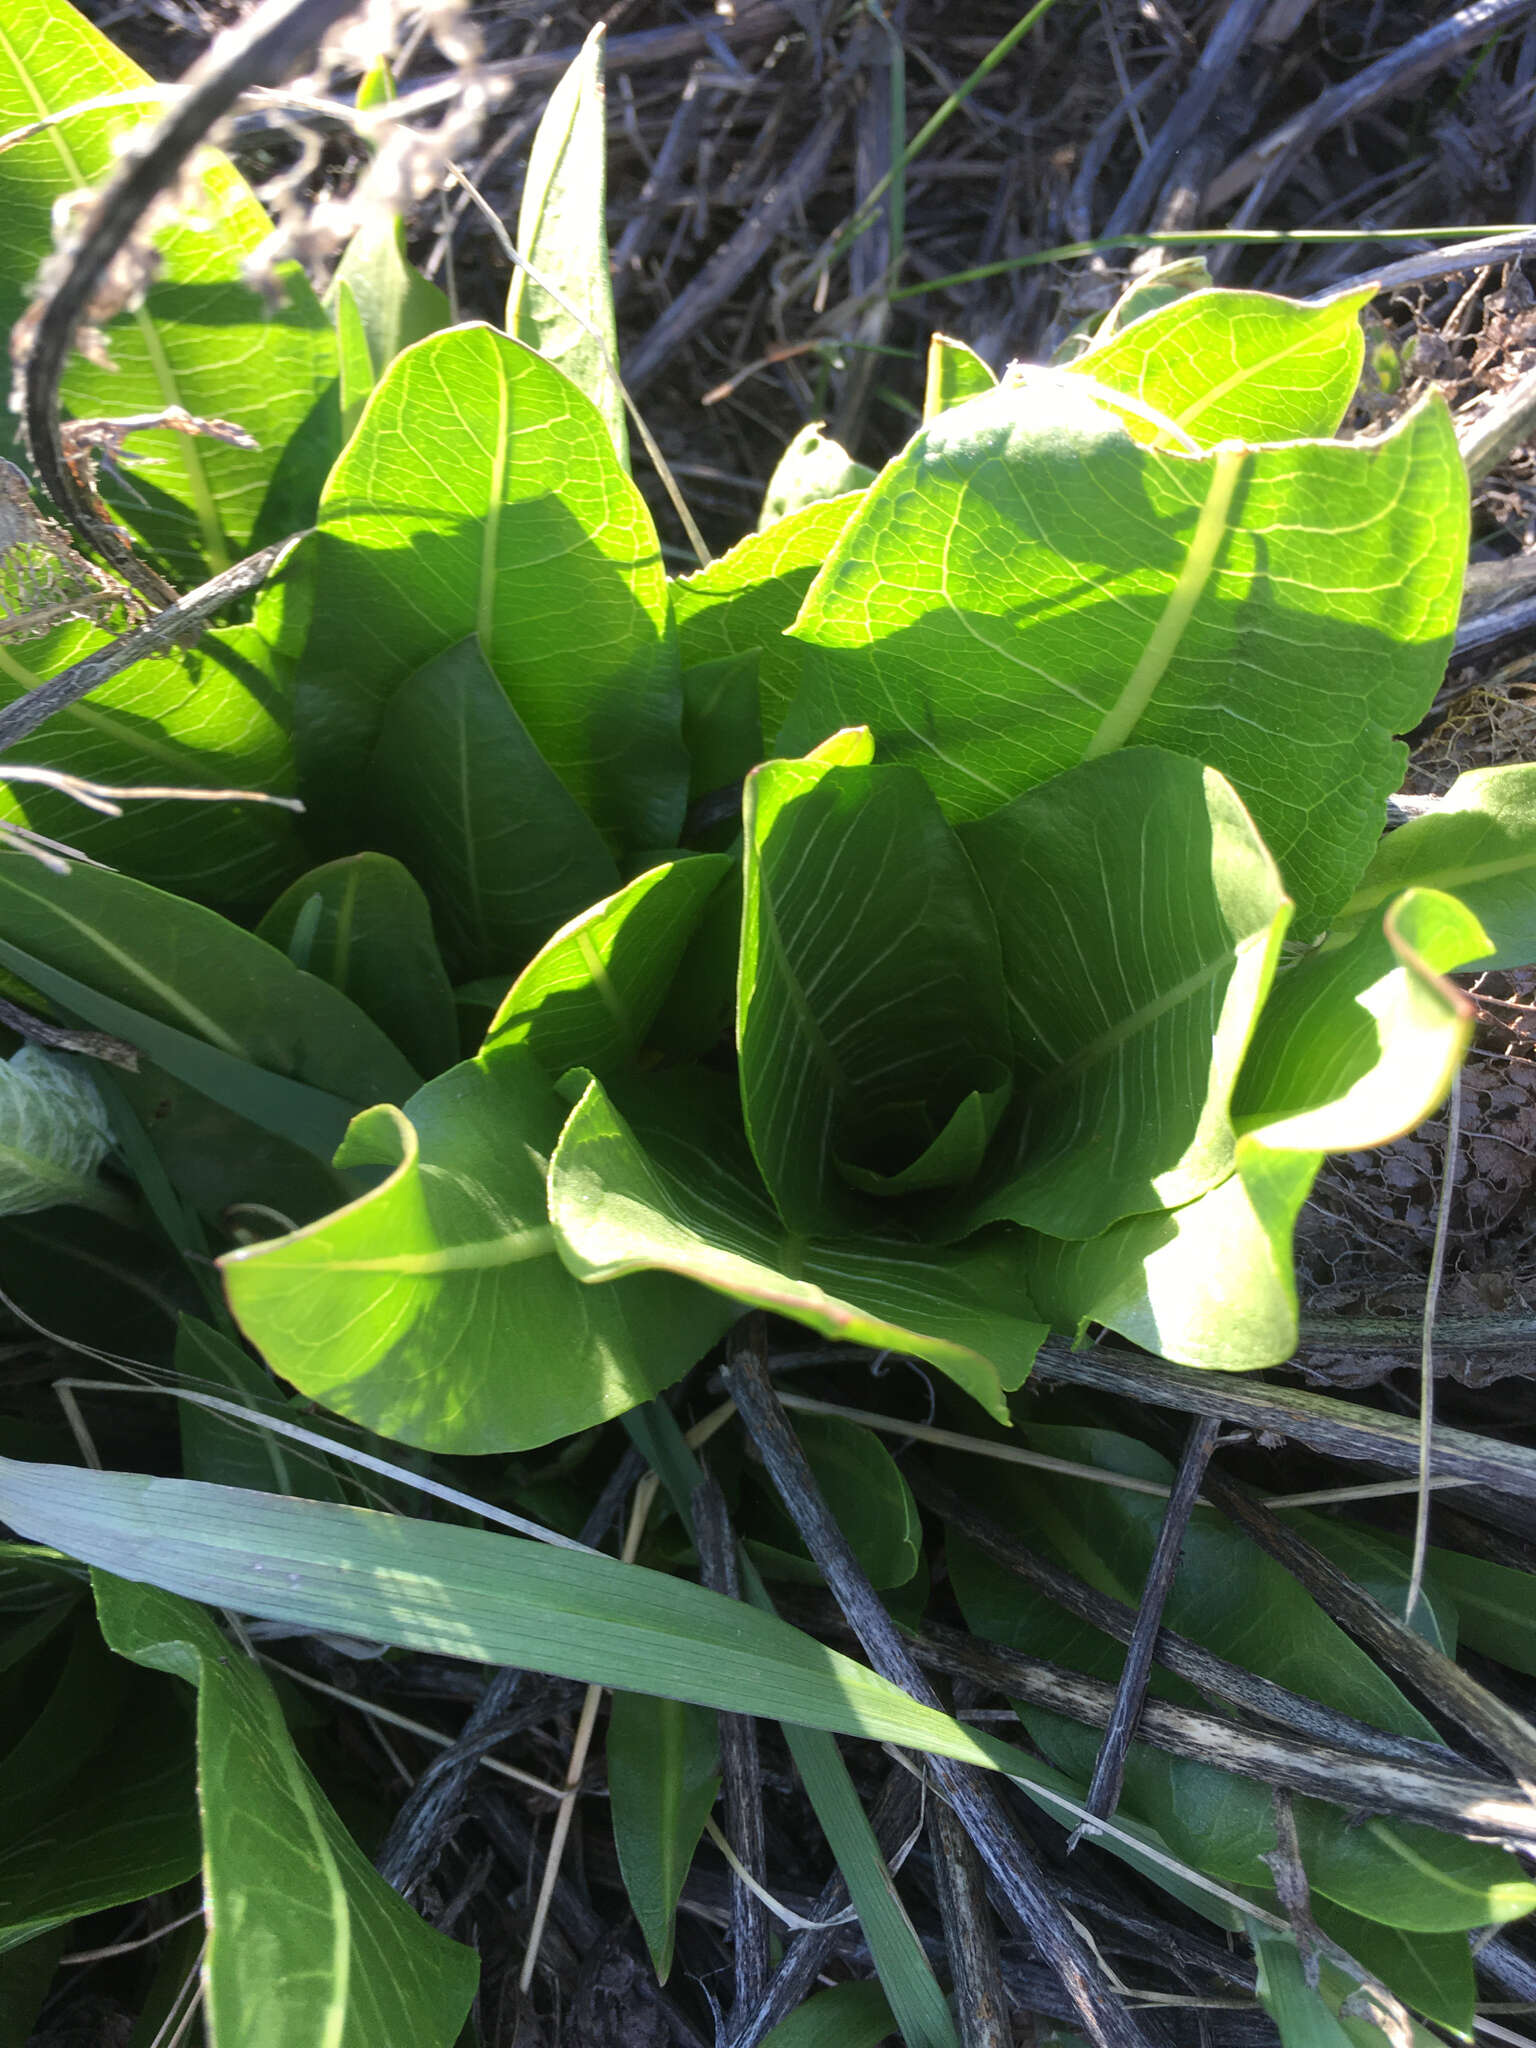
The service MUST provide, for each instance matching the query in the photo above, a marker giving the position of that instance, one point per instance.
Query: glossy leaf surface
(431, 1308)
(308, 1947)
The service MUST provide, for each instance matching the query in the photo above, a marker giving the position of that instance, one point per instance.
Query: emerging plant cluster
(960, 913)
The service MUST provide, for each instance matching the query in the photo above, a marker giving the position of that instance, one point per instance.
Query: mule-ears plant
(960, 912)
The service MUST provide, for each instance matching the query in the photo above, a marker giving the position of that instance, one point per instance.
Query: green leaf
(431, 1308)
(199, 341)
(1353, 1048)
(812, 468)
(844, 2016)
(1430, 1972)
(1140, 917)
(955, 373)
(870, 1000)
(96, 1789)
(589, 997)
(452, 1591)
(663, 1775)
(1496, 1607)
(722, 721)
(562, 232)
(460, 790)
(870, 1501)
(1213, 1283)
(1276, 613)
(1232, 365)
(54, 1134)
(749, 598)
(363, 925)
(679, 1192)
(1238, 1602)
(227, 1453)
(481, 495)
(148, 958)
(1358, 1046)
(1302, 2016)
(308, 1947)
(1479, 843)
(210, 717)
(382, 305)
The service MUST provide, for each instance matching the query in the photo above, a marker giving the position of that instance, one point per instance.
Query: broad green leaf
(26, 1976)
(844, 2016)
(750, 597)
(308, 1947)
(1358, 1046)
(955, 373)
(54, 1134)
(663, 1776)
(480, 494)
(382, 304)
(812, 468)
(1275, 613)
(1154, 290)
(200, 340)
(1213, 1283)
(1479, 843)
(461, 791)
(562, 232)
(175, 964)
(1238, 1602)
(679, 1192)
(722, 721)
(363, 925)
(1140, 918)
(870, 1002)
(207, 717)
(869, 1499)
(1353, 1048)
(1495, 1606)
(1430, 1972)
(238, 1177)
(1233, 365)
(432, 1308)
(92, 1281)
(96, 1789)
(589, 997)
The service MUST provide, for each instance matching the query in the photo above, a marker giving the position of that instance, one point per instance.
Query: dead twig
(1131, 1693)
(734, 259)
(740, 1767)
(970, 1934)
(1462, 1802)
(1339, 1429)
(1389, 77)
(1454, 1692)
(1021, 1886)
(1232, 35)
(1214, 1676)
(183, 616)
(259, 51)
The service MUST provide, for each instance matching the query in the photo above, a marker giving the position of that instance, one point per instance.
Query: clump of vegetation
(957, 915)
